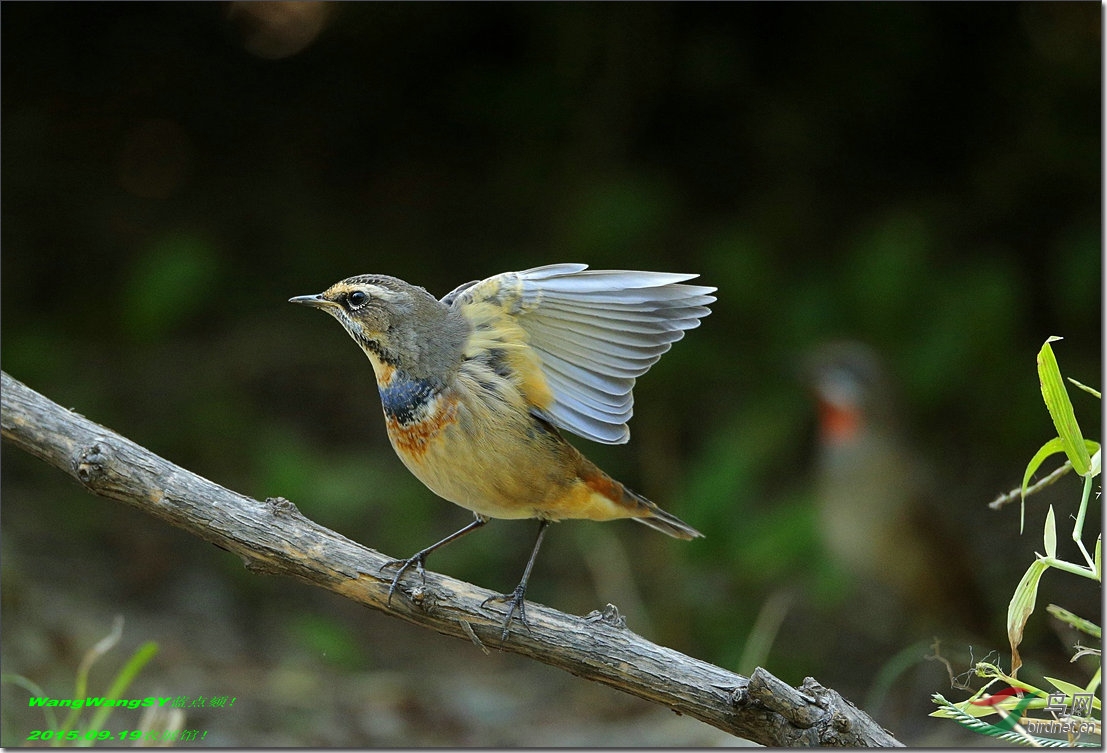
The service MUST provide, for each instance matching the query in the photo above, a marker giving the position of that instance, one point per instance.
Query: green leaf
(1060, 409)
(963, 708)
(949, 710)
(1021, 607)
(1070, 690)
(103, 646)
(120, 683)
(1093, 684)
(1052, 447)
(1050, 534)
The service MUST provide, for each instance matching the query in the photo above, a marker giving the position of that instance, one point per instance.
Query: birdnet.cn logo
(1070, 714)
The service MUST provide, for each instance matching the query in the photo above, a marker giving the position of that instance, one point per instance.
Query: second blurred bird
(880, 515)
(476, 386)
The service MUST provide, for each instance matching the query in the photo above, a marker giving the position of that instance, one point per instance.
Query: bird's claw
(403, 566)
(517, 605)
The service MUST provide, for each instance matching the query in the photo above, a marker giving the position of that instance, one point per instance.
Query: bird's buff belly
(497, 470)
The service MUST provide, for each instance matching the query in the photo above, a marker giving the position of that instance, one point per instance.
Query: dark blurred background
(923, 178)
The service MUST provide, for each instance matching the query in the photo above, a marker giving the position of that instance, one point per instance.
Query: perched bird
(880, 515)
(476, 386)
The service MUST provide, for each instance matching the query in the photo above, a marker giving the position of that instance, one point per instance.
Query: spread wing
(577, 338)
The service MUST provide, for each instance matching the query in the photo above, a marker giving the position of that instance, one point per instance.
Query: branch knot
(89, 464)
(282, 507)
(609, 616)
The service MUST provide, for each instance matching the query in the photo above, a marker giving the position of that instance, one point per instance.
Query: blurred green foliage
(923, 177)
(167, 284)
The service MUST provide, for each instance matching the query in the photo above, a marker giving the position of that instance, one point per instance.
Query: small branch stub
(89, 463)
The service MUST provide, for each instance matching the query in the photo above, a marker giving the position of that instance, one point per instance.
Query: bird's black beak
(317, 300)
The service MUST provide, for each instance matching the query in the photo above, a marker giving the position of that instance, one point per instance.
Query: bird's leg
(517, 597)
(419, 558)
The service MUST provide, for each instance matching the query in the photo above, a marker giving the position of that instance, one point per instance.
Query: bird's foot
(416, 561)
(517, 605)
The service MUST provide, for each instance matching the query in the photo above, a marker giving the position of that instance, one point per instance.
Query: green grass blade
(104, 645)
(1060, 409)
(1050, 535)
(1097, 457)
(1052, 447)
(122, 681)
(1021, 607)
(1070, 690)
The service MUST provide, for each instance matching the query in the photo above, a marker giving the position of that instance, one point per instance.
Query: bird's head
(395, 323)
(853, 391)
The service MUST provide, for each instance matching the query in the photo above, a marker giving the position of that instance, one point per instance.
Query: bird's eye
(357, 299)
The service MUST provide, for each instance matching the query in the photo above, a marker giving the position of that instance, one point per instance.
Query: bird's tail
(659, 520)
(627, 503)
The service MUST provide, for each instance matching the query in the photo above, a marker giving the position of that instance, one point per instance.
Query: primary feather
(579, 338)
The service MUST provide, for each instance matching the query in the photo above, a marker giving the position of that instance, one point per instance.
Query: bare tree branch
(273, 537)
(1034, 488)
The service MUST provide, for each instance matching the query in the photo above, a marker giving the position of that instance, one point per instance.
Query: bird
(880, 516)
(478, 386)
